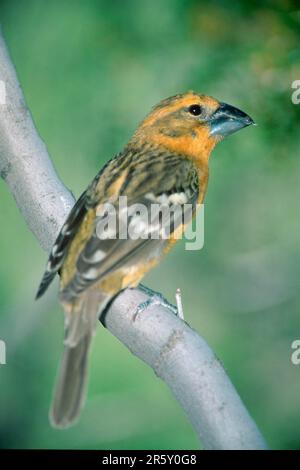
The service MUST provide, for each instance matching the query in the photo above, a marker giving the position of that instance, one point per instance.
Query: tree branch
(25, 164)
(176, 353)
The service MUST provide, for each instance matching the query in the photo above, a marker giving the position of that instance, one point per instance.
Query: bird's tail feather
(81, 321)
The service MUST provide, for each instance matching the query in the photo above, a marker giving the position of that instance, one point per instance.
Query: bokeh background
(90, 70)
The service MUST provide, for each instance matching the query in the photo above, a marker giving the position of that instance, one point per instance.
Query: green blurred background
(90, 70)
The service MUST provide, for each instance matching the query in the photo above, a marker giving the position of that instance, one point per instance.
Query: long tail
(71, 384)
(70, 389)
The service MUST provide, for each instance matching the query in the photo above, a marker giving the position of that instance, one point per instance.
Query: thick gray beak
(227, 119)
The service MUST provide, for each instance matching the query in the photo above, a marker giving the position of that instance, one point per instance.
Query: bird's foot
(154, 299)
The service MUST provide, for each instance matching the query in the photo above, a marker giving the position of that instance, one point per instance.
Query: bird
(165, 162)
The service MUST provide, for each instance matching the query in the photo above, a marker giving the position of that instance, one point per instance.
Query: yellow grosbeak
(166, 162)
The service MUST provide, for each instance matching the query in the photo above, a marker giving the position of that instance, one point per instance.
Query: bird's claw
(154, 299)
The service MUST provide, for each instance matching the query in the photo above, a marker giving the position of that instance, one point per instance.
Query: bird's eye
(195, 109)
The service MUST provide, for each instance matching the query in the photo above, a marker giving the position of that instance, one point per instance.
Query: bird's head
(191, 124)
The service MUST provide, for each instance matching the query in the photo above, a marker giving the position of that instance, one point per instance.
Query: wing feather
(163, 179)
